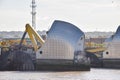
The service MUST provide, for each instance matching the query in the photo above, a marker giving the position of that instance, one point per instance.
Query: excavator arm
(34, 37)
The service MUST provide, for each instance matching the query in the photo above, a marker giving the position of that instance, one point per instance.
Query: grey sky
(88, 15)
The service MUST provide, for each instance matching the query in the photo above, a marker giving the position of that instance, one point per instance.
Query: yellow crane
(57, 53)
(34, 37)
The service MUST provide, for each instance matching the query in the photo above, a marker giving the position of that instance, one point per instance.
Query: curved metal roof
(116, 36)
(66, 31)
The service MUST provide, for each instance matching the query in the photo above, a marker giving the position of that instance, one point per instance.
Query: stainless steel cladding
(64, 41)
(112, 45)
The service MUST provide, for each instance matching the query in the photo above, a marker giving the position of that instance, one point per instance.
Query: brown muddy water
(94, 74)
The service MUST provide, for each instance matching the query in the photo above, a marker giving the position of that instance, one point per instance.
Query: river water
(94, 74)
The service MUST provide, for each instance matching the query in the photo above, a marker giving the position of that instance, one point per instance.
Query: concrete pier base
(60, 65)
(111, 63)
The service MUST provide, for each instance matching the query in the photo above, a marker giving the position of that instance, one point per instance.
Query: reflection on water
(94, 74)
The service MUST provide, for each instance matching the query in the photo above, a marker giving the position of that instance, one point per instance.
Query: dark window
(107, 52)
(40, 52)
(81, 38)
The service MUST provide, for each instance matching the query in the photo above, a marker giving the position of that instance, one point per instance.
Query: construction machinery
(10, 41)
(62, 50)
(109, 54)
(95, 53)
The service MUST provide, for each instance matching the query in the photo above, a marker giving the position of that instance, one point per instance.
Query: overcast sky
(88, 15)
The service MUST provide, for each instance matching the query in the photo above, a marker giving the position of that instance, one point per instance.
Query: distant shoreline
(18, 34)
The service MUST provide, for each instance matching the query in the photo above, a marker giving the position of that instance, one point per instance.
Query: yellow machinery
(6, 43)
(34, 37)
(94, 50)
(20, 56)
(60, 51)
(10, 42)
(94, 47)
